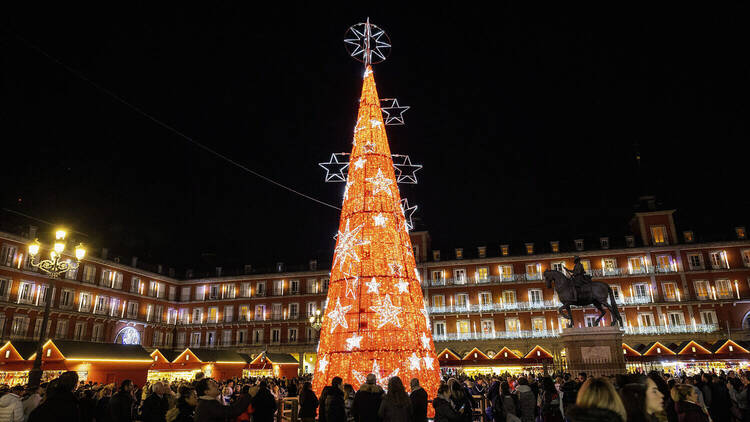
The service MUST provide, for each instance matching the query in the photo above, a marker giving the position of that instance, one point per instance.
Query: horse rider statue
(581, 280)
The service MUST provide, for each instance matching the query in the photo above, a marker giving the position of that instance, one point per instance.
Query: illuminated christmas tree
(375, 320)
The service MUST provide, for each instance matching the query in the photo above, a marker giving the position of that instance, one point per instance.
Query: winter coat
(30, 403)
(154, 408)
(550, 407)
(121, 407)
(11, 408)
(183, 412)
(101, 411)
(465, 408)
(526, 403)
(367, 403)
(569, 391)
(395, 412)
(444, 411)
(309, 404)
(335, 406)
(720, 403)
(322, 404)
(348, 404)
(210, 410)
(591, 414)
(58, 406)
(264, 405)
(690, 412)
(418, 399)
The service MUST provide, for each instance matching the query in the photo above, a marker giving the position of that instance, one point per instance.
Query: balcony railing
(495, 307)
(672, 329)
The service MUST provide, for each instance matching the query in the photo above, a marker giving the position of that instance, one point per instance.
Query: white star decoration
(414, 361)
(396, 268)
(372, 286)
(426, 318)
(381, 381)
(403, 286)
(347, 242)
(338, 315)
(369, 146)
(359, 163)
(346, 189)
(388, 312)
(425, 341)
(379, 220)
(353, 342)
(375, 123)
(351, 285)
(367, 72)
(380, 183)
(322, 363)
(428, 362)
(416, 273)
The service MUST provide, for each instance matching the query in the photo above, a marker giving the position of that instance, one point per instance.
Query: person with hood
(526, 401)
(308, 403)
(184, 411)
(396, 406)
(209, 409)
(11, 408)
(264, 404)
(597, 401)
(686, 404)
(444, 411)
(367, 401)
(60, 403)
(418, 399)
(335, 407)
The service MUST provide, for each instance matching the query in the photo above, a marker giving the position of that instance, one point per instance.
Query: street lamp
(54, 266)
(316, 321)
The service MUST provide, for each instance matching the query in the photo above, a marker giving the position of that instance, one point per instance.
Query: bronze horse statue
(595, 294)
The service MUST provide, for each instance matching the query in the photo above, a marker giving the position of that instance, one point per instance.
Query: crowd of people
(655, 397)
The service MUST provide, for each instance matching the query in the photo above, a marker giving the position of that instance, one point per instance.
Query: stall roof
(169, 355)
(738, 346)
(101, 351)
(212, 355)
(281, 358)
(24, 348)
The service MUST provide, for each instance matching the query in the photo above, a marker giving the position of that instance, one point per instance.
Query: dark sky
(525, 118)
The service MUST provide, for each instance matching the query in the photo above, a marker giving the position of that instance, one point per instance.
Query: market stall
(272, 365)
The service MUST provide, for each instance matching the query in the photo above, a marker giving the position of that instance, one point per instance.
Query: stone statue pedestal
(594, 350)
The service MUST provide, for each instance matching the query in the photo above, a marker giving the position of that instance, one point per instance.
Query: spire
(375, 320)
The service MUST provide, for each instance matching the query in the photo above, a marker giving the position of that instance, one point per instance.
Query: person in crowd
(121, 403)
(721, 405)
(184, 410)
(505, 407)
(101, 411)
(418, 399)
(444, 411)
(396, 406)
(154, 408)
(641, 398)
(597, 401)
(549, 403)
(87, 404)
(461, 400)
(60, 404)
(291, 390)
(367, 401)
(668, 413)
(264, 404)
(308, 403)
(31, 400)
(349, 402)
(208, 408)
(11, 408)
(335, 408)
(738, 396)
(686, 405)
(526, 401)
(569, 391)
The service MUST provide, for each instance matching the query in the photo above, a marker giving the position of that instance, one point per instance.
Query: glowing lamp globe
(34, 248)
(60, 234)
(59, 247)
(80, 252)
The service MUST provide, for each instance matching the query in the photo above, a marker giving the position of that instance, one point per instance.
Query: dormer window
(604, 242)
(529, 249)
(554, 246)
(482, 251)
(659, 235)
(579, 244)
(741, 234)
(459, 253)
(436, 255)
(687, 236)
(630, 241)
(504, 250)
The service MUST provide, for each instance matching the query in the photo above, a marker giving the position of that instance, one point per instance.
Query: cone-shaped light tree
(375, 319)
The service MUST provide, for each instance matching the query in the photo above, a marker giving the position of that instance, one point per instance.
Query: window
(438, 301)
(463, 327)
(604, 241)
(260, 312)
(200, 292)
(245, 313)
(260, 289)
(153, 288)
(213, 315)
(665, 263)
(687, 236)
(616, 292)
(646, 320)
(630, 241)
(278, 287)
(61, 330)
(586, 266)
(579, 244)
(512, 324)
(5, 288)
(292, 335)
(590, 320)
(641, 291)
(671, 293)
(439, 329)
(258, 336)
(459, 276)
(538, 324)
(324, 283)
(462, 300)
(197, 316)
(181, 339)
(294, 287)
(438, 277)
(702, 289)
(275, 335)
(185, 294)
(609, 266)
(8, 255)
(485, 300)
(293, 310)
(132, 310)
(172, 293)
(529, 249)
(506, 272)
(84, 302)
(535, 297)
(676, 318)
(226, 338)
(26, 292)
(158, 338)
(488, 327)
(241, 337)
(509, 298)
(483, 274)
(20, 326)
(482, 251)
(459, 253)
(311, 308)
(718, 260)
(89, 273)
(79, 331)
(745, 257)
(149, 312)
(184, 316)
(228, 313)
(312, 286)
(106, 277)
(723, 289)
(534, 271)
(100, 306)
(436, 255)
(72, 273)
(97, 332)
(171, 316)
(695, 261)
(636, 265)
(741, 233)
(195, 339)
(558, 266)
(709, 317)
(158, 313)
(114, 306)
(211, 339)
(228, 291)
(504, 250)
(554, 246)
(213, 291)
(135, 284)
(659, 235)
(277, 311)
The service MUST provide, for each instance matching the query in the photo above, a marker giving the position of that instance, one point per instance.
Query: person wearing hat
(578, 276)
(11, 408)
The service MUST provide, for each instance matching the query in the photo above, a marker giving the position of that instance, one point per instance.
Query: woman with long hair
(686, 404)
(598, 401)
(641, 398)
(184, 411)
(461, 399)
(549, 401)
(505, 406)
(349, 401)
(308, 403)
(396, 406)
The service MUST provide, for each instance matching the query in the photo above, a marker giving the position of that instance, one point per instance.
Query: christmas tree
(375, 319)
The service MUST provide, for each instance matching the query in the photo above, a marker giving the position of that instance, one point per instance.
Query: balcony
(671, 329)
(495, 307)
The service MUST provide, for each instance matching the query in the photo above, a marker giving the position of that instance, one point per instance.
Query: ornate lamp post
(316, 322)
(54, 266)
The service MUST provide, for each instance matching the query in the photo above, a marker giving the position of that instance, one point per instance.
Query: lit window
(504, 250)
(701, 289)
(579, 244)
(604, 242)
(529, 248)
(670, 291)
(687, 236)
(659, 235)
(459, 253)
(741, 235)
(555, 246)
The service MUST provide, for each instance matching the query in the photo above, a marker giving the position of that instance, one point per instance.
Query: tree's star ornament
(372, 286)
(425, 341)
(381, 381)
(347, 243)
(359, 163)
(335, 168)
(369, 146)
(407, 212)
(393, 120)
(426, 318)
(388, 312)
(406, 172)
(375, 123)
(338, 315)
(380, 183)
(403, 286)
(408, 250)
(379, 220)
(414, 361)
(396, 268)
(353, 342)
(367, 72)
(428, 362)
(351, 285)
(322, 363)
(367, 43)
(346, 189)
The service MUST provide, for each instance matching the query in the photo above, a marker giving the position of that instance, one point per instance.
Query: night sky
(526, 118)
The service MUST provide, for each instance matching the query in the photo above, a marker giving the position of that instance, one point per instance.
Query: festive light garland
(379, 325)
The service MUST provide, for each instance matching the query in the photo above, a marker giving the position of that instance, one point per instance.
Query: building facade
(668, 288)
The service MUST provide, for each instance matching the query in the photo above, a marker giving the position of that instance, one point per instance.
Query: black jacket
(335, 408)
(592, 414)
(419, 405)
(210, 410)
(308, 403)
(60, 406)
(154, 408)
(264, 406)
(367, 403)
(101, 411)
(121, 407)
(444, 411)
(690, 412)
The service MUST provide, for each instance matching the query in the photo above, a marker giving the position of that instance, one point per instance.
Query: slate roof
(281, 358)
(24, 348)
(83, 349)
(213, 355)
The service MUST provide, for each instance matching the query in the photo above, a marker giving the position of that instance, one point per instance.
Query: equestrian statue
(579, 290)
